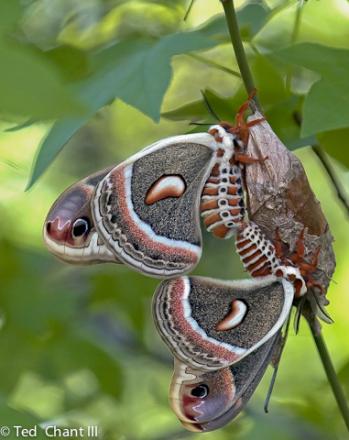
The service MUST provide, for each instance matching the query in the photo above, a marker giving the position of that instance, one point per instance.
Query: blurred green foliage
(77, 345)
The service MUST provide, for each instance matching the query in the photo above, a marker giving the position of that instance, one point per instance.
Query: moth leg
(315, 258)
(255, 122)
(241, 127)
(310, 267)
(298, 253)
(311, 283)
(278, 244)
(245, 159)
(240, 114)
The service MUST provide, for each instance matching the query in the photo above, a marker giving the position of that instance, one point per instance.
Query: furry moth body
(222, 200)
(259, 257)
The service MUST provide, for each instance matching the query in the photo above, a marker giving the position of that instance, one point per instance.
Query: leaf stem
(294, 37)
(191, 4)
(331, 373)
(211, 63)
(233, 27)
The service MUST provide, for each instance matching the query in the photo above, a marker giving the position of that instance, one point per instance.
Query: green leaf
(72, 62)
(335, 143)
(30, 83)
(283, 118)
(326, 106)
(224, 107)
(136, 71)
(251, 19)
(143, 81)
(323, 22)
(30, 86)
(269, 81)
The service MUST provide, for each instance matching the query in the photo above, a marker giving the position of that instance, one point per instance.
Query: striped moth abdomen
(222, 201)
(260, 257)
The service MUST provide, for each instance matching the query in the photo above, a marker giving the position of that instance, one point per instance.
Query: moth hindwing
(204, 401)
(210, 324)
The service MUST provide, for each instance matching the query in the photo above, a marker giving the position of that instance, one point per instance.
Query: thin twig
(331, 374)
(191, 4)
(322, 156)
(294, 37)
(209, 106)
(232, 23)
(211, 63)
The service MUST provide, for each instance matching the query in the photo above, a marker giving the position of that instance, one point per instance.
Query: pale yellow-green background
(302, 405)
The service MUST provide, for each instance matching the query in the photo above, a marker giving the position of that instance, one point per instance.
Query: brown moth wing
(72, 206)
(188, 310)
(147, 208)
(226, 391)
(279, 196)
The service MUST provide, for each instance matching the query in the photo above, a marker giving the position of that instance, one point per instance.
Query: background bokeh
(77, 344)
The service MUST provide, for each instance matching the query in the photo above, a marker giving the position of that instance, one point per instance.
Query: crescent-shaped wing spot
(235, 316)
(166, 186)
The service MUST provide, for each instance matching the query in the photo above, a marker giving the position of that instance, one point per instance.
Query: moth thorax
(222, 201)
(256, 252)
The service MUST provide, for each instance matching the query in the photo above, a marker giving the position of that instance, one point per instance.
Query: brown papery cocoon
(279, 196)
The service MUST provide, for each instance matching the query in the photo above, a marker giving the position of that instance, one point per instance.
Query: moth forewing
(147, 208)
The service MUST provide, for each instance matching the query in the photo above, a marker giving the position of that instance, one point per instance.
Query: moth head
(69, 231)
(294, 276)
(234, 133)
(222, 135)
(198, 397)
